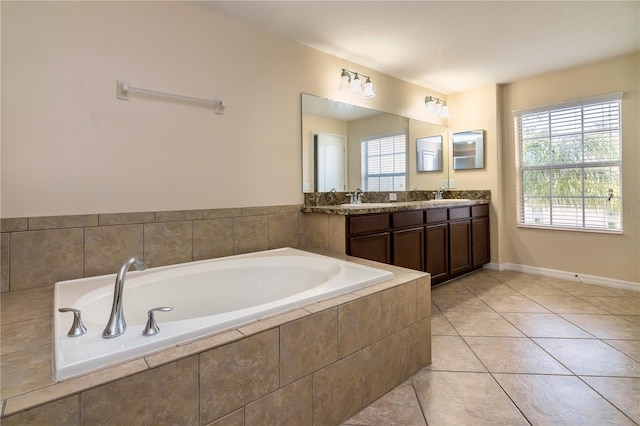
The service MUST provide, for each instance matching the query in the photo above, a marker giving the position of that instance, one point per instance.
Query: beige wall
(604, 255)
(70, 147)
(472, 110)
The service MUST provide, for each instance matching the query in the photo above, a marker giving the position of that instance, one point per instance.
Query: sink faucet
(356, 195)
(439, 194)
(117, 325)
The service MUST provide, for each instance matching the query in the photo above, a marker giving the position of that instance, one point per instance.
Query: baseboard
(564, 275)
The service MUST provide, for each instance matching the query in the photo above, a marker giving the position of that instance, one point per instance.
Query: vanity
(446, 238)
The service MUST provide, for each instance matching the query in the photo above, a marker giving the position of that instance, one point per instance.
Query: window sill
(559, 228)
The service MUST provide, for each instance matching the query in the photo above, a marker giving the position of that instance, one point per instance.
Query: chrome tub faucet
(116, 324)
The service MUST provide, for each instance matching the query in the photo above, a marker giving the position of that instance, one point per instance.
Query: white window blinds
(384, 163)
(569, 165)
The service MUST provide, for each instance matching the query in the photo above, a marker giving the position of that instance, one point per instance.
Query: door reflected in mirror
(325, 167)
(468, 150)
(429, 153)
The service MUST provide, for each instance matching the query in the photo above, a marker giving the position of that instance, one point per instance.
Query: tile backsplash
(38, 251)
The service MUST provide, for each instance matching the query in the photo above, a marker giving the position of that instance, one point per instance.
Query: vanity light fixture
(355, 85)
(437, 106)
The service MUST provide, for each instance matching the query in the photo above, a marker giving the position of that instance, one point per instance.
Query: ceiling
(451, 46)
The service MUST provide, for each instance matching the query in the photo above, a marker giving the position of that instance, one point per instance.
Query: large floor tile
(399, 407)
(545, 325)
(514, 355)
(451, 353)
(566, 304)
(605, 326)
(535, 288)
(454, 398)
(512, 303)
(615, 305)
(459, 303)
(631, 318)
(481, 324)
(623, 392)
(590, 357)
(579, 288)
(559, 400)
(440, 326)
(630, 348)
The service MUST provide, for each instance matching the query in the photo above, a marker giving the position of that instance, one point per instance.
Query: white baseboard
(564, 275)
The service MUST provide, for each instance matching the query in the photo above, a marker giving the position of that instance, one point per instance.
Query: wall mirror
(333, 136)
(468, 150)
(429, 154)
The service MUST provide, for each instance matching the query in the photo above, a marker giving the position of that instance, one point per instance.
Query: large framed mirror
(345, 147)
(468, 150)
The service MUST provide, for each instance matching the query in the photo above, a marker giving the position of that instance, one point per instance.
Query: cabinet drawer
(373, 223)
(436, 215)
(403, 219)
(480, 211)
(459, 213)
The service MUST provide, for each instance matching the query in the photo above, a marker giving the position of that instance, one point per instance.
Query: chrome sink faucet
(356, 195)
(439, 194)
(117, 325)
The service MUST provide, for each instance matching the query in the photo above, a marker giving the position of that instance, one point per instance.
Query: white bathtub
(207, 297)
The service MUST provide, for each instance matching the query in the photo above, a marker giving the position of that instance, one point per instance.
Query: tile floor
(511, 348)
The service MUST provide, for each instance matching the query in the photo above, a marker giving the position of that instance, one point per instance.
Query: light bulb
(430, 103)
(356, 85)
(345, 79)
(368, 89)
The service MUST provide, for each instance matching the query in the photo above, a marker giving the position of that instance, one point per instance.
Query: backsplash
(39, 251)
(336, 198)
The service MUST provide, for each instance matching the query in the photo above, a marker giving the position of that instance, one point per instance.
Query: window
(384, 163)
(569, 165)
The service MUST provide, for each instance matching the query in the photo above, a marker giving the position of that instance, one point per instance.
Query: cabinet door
(459, 247)
(480, 251)
(408, 248)
(437, 252)
(373, 247)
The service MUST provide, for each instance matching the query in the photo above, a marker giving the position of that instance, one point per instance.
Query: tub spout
(117, 325)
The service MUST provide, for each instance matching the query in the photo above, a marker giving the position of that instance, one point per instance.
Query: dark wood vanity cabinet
(446, 242)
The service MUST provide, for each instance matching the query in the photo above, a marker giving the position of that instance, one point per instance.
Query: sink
(367, 205)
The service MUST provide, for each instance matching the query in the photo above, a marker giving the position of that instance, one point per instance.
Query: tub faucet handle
(152, 327)
(77, 328)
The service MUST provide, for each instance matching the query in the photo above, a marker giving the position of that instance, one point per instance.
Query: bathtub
(206, 296)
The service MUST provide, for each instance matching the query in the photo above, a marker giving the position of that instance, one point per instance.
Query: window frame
(582, 165)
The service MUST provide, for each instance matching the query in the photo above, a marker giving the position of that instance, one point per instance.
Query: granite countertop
(366, 208)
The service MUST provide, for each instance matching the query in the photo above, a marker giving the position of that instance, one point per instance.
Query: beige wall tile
(250, 234)
(316, 227)
(234, 419)
(290, 405)
(359, 324)
(271, 322)
(308, 344)
(238, 373)
(5, 239)
(283, 230)
(337, 234)
(220, 213)
(167, 243)
(13, 224)
(107, 247)
(337, 391)
(164, 395)
(385, 365)
(17, 306)
(398, 308)
(62, 412)
(26, 370)
(25, 334)
(419, 346)
(56, 222)
(291, 208)
(258, 211)
(126, 218)
(172, 216)
(423, 297)
(40, 258)
(212, 238)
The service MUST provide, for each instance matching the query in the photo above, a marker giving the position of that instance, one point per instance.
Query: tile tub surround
(269, 371)
(39, 251)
